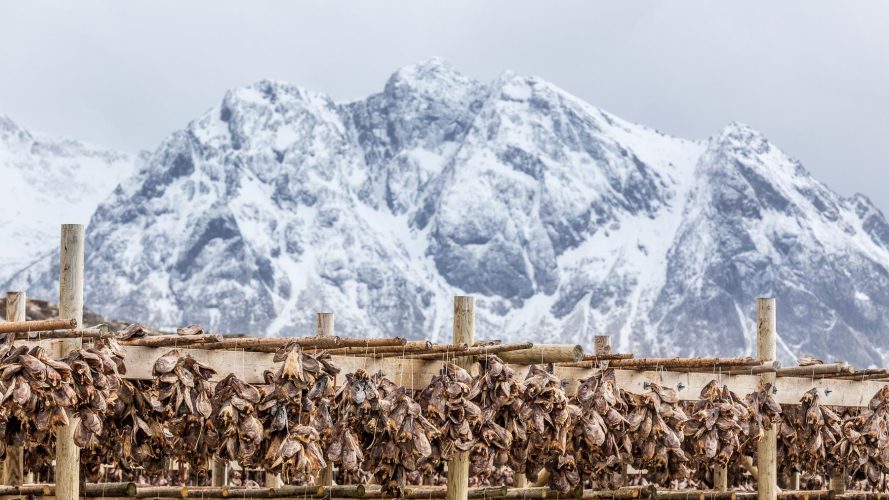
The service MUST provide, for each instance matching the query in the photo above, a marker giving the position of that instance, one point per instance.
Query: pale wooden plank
(464, 329)
(767, 446)
(70, 307)
(416, 374)
(14, 464)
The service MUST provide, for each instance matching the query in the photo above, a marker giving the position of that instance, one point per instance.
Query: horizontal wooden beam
(502, 350)
(841, 368)
(789, 390)
(36, 326)
(249, 366)
(544, 353)
(682, 363)
(416, 373)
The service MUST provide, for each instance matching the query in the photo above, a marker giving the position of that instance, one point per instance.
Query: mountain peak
(267, 91)
(6, 123)
(742, 138)
(740, 132)
(430, 77)
(10, 128)
(432, 67)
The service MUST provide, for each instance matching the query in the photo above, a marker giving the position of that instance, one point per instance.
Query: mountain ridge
(565, 220)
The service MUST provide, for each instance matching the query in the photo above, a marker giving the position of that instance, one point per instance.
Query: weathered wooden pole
(602, 344)
(720, 478)
(324, 328)
(15, 456)
(34, 327)
(464, 329)
(767, 447)
(542, 353)
(837, 483)
(324, 324)
(218, 472)
(70, 307)
(273, 480)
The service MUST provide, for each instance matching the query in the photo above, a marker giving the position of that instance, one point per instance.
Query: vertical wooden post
(15, 456)
(218, 472)
(720, 478)
(767, 448)
(273, 480)
(464, 329)
(70, 307)
(324, 328)
(324, 324)
(837, 483)
(602, 344)
(520, 481)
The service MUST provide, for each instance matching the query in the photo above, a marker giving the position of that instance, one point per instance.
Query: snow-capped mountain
(564, 220)
(47, 181)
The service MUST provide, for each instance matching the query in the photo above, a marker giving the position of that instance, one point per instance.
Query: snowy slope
(564, 220)
(47, 181)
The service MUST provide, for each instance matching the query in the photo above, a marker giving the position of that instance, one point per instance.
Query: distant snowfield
(564, 221)
(48, 181)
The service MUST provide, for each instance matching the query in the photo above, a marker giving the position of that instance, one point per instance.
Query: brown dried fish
(95, 384)
(807, 433)
(863, 448)
(294, 412)
(387, 424)
(600, 444)
(718, 429)
(181, 397)
(501, 435)
(445, 404)
(655, 425)
(237, 429)
(550, 418)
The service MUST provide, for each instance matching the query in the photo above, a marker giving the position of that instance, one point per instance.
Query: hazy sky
(812, 75)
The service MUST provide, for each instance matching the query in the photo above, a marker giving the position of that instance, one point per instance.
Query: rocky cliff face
(564, 220)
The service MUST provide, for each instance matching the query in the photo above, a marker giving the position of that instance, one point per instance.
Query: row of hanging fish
(301, 422)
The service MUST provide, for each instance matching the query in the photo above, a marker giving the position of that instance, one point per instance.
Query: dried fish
(445, 404)
(237, 431)
(181, 397)
(600, 444)
(294, 412)
(35, 392)
(501, 434)
(96, 379)
(132, 331)
(550, 418)
(863, 447)
(765, 411)
(655, 425)
(387, 424)
(719, 428)
(806, 435)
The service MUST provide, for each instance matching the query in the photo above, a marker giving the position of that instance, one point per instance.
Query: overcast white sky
(812, 75)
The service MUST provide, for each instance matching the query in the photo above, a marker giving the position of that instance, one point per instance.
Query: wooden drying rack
(412, 364)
